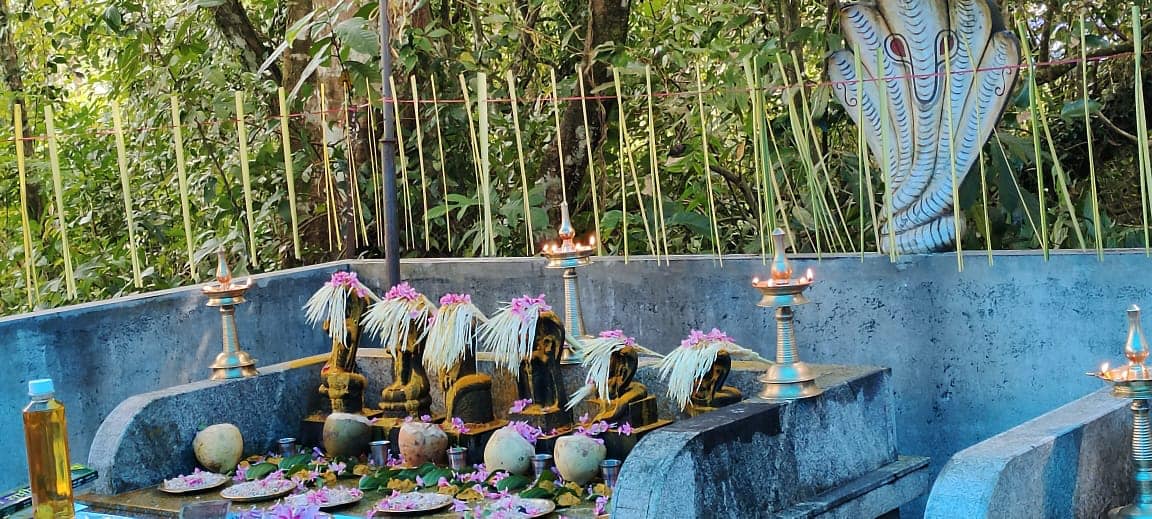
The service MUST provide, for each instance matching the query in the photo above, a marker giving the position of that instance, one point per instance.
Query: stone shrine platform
(834, 455)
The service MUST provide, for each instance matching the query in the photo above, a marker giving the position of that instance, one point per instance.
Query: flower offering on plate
(258, 490)
(325, 497)
(197, 481)
(412, 503)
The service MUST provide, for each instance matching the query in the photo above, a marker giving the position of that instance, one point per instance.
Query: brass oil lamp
(233, 362)
(569, 255)
(788, 378)
(1133, 381)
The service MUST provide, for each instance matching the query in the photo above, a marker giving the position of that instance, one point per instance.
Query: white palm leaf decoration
(915, 115)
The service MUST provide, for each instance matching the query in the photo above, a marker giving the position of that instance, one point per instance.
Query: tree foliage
(80, 58)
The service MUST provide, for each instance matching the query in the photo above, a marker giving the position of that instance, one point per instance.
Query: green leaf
(536, 493)
(353, 33)
(261, 470)
(292, 461)
(1074, 110)
(513, 482)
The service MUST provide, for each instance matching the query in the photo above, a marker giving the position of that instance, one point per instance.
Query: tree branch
(734, 179)
(1054, 72)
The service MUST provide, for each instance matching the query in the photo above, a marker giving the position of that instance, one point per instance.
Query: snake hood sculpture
(927, 80)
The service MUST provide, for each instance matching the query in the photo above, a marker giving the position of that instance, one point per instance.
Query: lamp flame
(755, 280)
(1104, 369)
(809, 274)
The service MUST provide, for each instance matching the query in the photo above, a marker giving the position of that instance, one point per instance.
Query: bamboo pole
(707, 166)
(443, 162)
(762, 197)
(952, 157)
(329, 178)
(353, 174)
(409, 238)
(632, 164)
(1096, 224)
(799, 134)
(528, 234)
(246, 179)
(182, 178)
(420, 155)
(125, 190)
(472, 140)
(30, 276)
(1141, 122)
(595, 186)
(289, 174)
(865, 165)
(377, 199)
(1034, 115)
(886, 169)
(58, 195)
(661, 223)
(485, 171)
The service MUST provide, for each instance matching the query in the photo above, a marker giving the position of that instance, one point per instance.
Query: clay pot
(421, 442)
(578, 457)
(346, 434)
(219, 447)
(507, 450)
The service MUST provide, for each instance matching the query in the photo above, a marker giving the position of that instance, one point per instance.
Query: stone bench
(1072, 462)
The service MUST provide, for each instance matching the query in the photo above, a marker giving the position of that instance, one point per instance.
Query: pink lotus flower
(519, 405)
(619, 335)
(522, 305)
(402, 291)
(454, 299)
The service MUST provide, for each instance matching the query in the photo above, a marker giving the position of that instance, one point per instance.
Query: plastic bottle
(46, 439)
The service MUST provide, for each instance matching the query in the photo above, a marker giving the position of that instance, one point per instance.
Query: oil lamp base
(233, 364)
(1133, 511)
(791, 381)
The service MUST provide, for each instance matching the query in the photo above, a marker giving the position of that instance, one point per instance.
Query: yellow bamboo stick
(952, 156)
(1034, 114)
(865, 165)
(443, 162)
(661, 223)
(559, 136)
(807, 112)
(511, 79)
(475, 146)
(377, 204)
(983, 169)
(1096, 225)
(628, 145)
(353, 175)
(1141, 120)
(126, 191)
(623, 178)
(408, 236)
(595, 187)
(289, 174)
(485, 172)
(420, 155)
(775, 183)
(329, 181)
(182, 178)
(707, 166)
(1061, 180)
(799, 134)
(30, 277)
(58, 194)
(246, 179)
(757, 165)
(886, 168)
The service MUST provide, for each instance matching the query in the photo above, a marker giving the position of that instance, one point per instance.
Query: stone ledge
(870, 495)
(1069, 463)
(756, 458)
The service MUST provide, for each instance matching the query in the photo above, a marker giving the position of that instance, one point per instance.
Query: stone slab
(757, 458)
(1070, 463)
(876, 494)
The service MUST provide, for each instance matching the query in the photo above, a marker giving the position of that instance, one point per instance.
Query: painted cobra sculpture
(928, 81)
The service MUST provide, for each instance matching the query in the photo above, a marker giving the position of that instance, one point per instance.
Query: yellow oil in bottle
(49, 470)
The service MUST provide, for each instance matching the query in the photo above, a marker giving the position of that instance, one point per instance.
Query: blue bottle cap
(40, 387)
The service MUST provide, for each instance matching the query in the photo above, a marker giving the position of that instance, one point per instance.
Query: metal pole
(388, 152)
